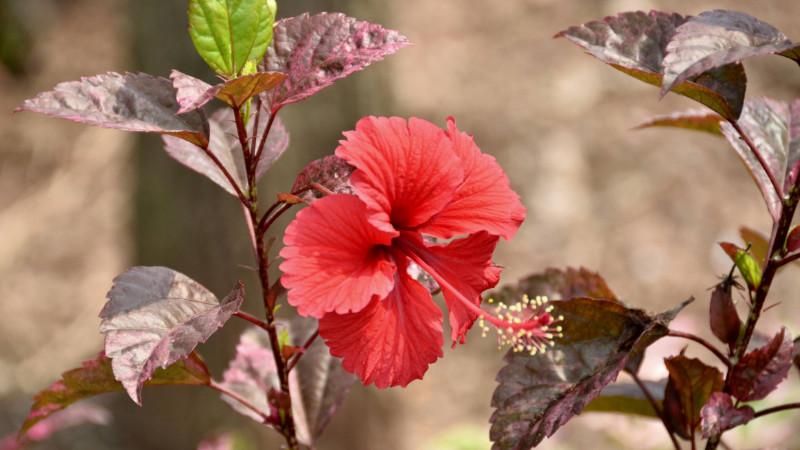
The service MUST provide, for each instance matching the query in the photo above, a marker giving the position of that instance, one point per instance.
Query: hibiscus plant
(405, 210)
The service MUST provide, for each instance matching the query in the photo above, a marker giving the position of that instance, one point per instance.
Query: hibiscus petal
(463, 268)
(335, 259)
(484, 201)
(390, 342)
(406, 172)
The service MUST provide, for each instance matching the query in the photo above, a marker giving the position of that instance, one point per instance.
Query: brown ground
(644, 208)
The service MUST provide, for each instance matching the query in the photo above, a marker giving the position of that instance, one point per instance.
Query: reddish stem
(238, 398)
(703, 342)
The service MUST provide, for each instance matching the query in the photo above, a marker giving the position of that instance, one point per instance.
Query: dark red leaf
(719, 414)
(693, 119)
(774, 128)
(330, 172)
(224, 144)
(715, 39)
(192, 93)
(557, 284)
(156, 316)
(96, 377)
(690, 384)
(725, 322)
(315, 51)
(538, 394)
(761, 371)
(131, 102)
(628, 398)
(636, 42)
(793, 240)
(796, 353)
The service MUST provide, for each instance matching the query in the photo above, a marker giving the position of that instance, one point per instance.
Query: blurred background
(80, 204)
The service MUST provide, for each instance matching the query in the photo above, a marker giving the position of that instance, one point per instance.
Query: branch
(704, 343)
(305, 346)
(654, 404)
(251, 319)
(235, 396)
(227, 174)
(774, 409)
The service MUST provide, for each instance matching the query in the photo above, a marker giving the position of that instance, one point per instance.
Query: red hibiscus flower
(347, 256)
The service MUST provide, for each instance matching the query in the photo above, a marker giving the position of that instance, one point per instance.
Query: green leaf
(227, 33)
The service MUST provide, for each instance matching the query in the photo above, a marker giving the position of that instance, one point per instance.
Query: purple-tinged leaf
(774, 127)
(690, 384)
(323, 381)
(793, 240)
(156, 316)
(85, 413)
(557, 284)
(224, 144)
(252, 373)
(761, 371)
(330, 172)
(719, 414)
(693, 119)
(635, 43)
(193, 93)
(315, 51)
(628, 398)
(715, 39)
(96, 377)
(538, 394)
(724, 320)
(131, 102)
(796, 353)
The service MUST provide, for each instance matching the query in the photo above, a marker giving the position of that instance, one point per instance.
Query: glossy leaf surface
(226, 33)
(774, 128)
(330, 172)
(131, 102)
(314, 51)
(690, 384)
(761, 371)
(156, 316)
(719, 414)
(715, 39)
(538, 394)
(636, 44)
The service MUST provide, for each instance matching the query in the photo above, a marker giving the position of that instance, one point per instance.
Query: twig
(754, 149)
(774, 409)
(296, 357)
(235, 396)
(251, 319)
(658, 411)
(703, 342)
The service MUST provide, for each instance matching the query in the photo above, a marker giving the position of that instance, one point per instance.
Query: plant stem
(227, 174)
(654, 404)
(251, 319)
(780, 230)
(305, 347)
(778, 408)
(287, 425)
(703, 342)
(235, 396)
